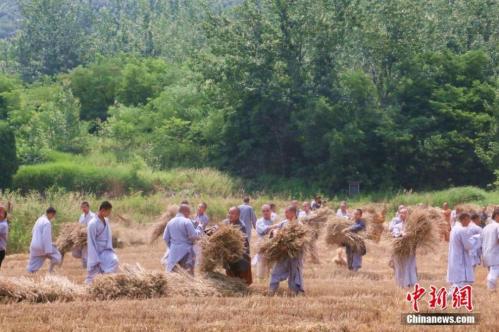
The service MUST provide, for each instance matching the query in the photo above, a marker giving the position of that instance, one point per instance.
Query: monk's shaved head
(185, 210)
(234, 214)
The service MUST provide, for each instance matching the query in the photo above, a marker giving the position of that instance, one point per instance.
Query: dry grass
(290, 241)
(336, 299)
(469, 208)
(48, 289)
(71, 235)
(374, 215)
(159, 227)
(226, 244)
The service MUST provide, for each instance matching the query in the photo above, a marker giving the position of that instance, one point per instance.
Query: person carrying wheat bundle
(180, 235)
(242, 267)
(101, 256)
(264, 226)
(354, 258)
(288, 268)
(41, 246)
(85, 218)
(404, 266)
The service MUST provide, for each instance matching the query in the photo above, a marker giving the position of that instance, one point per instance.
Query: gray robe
(460, 264)
(179, 236)
(248, 218)
(101, 256)
(41, 246)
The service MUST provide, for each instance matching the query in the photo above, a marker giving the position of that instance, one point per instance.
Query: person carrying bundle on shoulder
(85, 218)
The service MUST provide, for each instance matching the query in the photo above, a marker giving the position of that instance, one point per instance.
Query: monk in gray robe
(41, 247)
(101, 256)
(180, 235)
(248, 216)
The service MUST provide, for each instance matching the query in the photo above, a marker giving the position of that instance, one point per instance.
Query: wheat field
(335, 300)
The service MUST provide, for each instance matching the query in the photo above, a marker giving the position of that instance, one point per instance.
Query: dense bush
(78, 177)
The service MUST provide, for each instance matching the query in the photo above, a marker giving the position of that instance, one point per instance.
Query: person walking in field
(4, 233)
(241, 268)
(490, 249)
(101, 255)
(85, 218)
(248, 216)
(180, 236)
(460, 263)
(288, 268)
(404, 267)
(41, 246)
(354, 259)
(264, 226)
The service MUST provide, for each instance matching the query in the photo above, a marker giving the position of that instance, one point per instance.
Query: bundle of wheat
(72, 235)
(181, 283)
(421, 231)
(226, 286)
(134, 283)
(469, 208)
(48, 289)
(159, 227)
(374, 215)
(225, 245)
(335, 235)
(290, 242)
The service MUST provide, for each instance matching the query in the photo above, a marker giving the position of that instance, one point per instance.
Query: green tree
(8, 157)
(53, 37)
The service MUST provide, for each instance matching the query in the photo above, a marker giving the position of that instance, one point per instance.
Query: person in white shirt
(343, 211)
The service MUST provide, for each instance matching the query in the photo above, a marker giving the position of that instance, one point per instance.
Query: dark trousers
(2, 256)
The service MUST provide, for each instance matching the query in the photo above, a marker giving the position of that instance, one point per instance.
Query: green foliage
(47, 118)
(53, 37)
(8, 157)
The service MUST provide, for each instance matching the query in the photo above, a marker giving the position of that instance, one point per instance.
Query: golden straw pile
(421, 231)
(374, 215)
(336, 236)
(134, 282)
(159, 227)
(289, 242)
(225, 245)
(48, 289)
(469, 208)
